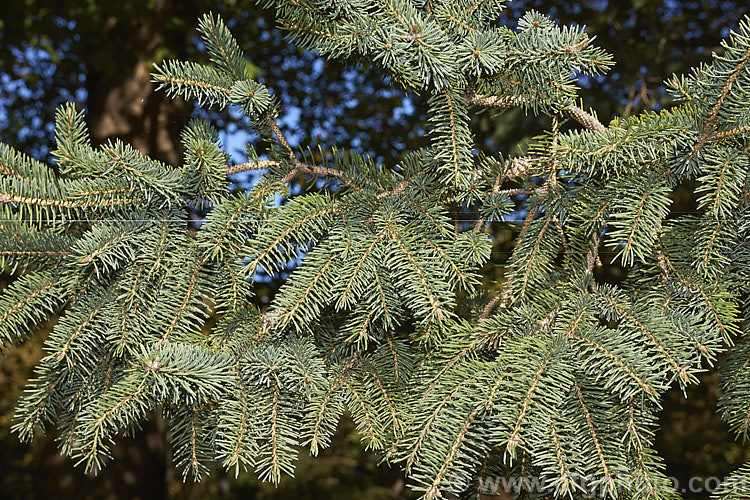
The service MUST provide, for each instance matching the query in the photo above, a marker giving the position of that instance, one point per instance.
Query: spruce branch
(274, 127)
(592, 256)
(304, 168)
(589, 121)
(299, 168)
(377, 264)
(592, 430)
(725, 91)
(251, 165)
(397, 189)
(501, 299)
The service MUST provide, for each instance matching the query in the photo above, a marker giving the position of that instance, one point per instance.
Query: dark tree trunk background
(122, 101)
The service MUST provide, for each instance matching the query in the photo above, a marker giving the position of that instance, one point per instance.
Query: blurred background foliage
(99, 55)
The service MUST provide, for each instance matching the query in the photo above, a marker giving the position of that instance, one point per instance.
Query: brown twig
(304, 168)
(592, 256)
(280, 136)
(585, 118)
(397, 189)
(501, 298)
(664, 264)
(299, 167)
(251, 165)
(520, 166)
(553, 171)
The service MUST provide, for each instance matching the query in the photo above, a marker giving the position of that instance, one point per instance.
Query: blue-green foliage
(385, 314)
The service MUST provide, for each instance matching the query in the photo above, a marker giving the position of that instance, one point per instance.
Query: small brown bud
(151, 365)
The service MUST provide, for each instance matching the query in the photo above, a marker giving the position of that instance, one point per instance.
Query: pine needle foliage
(555, 377)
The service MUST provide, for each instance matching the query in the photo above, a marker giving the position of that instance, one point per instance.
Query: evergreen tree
(553, 382)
